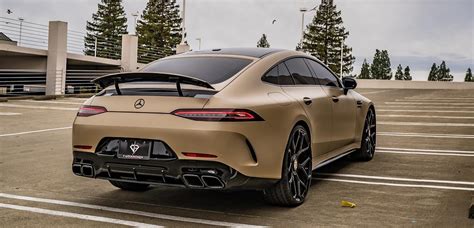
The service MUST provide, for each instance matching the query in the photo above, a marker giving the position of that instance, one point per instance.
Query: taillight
(88, 110)
(218, 114)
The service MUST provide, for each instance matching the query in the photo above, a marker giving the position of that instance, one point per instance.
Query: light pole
(135, 16)
(342, 54)
(199, 39)
(183, 35)
(21, 28)
(304, 10)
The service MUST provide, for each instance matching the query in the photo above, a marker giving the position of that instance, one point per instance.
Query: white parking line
(426, 135)
(380, 91)
(425, 103)
(9, 114)
(77, 216)
(51, 102)
(426, 124)
(430, 111)
(393, 184)
(426, 150)
(425, 153)
(37, 131)
(422, 106)
(426, 116)
(126, 211)
(37, 107)
(397, 178)
(432, 101)
(440, 98)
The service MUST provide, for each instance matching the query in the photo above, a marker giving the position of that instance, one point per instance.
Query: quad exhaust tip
(212, 181)
(83, 170)
(204, 181)
(193, 181)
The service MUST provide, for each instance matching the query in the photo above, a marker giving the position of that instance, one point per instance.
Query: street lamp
(304, 10)
(21, 28)
(135, 16)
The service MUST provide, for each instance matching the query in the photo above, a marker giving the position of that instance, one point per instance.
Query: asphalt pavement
(422, 175)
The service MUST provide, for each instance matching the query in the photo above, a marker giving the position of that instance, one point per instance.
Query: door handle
(307, 100)
(335, 99)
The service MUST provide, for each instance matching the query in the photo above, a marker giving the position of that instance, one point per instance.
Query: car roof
(249, 52)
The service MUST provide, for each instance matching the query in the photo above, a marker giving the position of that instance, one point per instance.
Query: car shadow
(246, 202)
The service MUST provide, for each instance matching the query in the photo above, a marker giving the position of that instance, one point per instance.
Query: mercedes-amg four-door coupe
(225, 118)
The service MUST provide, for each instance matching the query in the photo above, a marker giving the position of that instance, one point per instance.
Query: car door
(343, 105)
(312, 98)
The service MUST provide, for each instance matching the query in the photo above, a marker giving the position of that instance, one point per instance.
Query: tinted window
(279, 75)
(300, 71)
(210, 69)
(324, 76)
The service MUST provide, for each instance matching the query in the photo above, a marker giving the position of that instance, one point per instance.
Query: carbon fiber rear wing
(119, 78)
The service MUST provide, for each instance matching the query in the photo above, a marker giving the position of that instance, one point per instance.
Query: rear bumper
(176, 172)
(254, 149)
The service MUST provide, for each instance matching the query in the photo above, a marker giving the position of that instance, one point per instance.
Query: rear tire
(369, 139)
(293, 187)
(130, 186)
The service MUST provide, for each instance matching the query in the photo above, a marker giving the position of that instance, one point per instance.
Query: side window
(279, 75)
(300, 72)
(272, 76)
(324, 76)
(284, 76)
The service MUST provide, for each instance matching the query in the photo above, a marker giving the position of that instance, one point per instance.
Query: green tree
(444, 73)
(263, 42)
(381, 67)
(158, 30)
(365, 71)
(469, 77)
(433, 76)
(399, 73)
(324, 37)
(106, 28)
(407, 74)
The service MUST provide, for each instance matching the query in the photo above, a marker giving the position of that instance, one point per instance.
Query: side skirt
(334, 159)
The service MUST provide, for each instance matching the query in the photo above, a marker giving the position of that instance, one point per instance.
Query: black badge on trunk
(139, 103)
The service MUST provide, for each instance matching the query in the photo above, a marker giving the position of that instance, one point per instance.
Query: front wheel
(369, 138)
(294, 185)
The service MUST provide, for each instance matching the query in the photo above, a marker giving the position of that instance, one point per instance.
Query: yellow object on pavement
(347, 204)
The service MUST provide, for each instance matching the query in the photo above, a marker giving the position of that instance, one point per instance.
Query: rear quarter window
(210, 69)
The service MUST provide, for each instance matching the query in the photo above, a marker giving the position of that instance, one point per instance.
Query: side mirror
(349, 83)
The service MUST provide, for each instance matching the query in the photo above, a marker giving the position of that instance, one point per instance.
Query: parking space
(422, 175)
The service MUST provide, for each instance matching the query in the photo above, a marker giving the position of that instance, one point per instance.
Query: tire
(130, 186)
(292, 189)
(369, 139)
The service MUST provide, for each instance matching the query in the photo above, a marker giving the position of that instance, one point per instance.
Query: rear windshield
(210, 69)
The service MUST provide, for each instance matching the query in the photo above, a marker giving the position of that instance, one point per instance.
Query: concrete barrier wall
(396, 84)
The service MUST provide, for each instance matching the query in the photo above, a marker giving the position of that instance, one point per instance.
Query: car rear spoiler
(118, 78)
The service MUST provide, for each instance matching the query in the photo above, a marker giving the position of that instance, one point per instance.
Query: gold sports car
(223, 118)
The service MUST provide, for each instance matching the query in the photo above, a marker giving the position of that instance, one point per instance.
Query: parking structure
(422, 174)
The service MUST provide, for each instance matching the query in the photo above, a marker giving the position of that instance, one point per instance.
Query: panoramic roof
(251, 52)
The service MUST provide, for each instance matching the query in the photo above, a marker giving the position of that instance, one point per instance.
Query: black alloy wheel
(293, 188)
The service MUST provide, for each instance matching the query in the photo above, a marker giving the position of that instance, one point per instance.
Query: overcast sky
(415, 32)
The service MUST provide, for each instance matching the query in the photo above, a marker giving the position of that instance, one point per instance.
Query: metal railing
(24, 33)
(15, 82)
